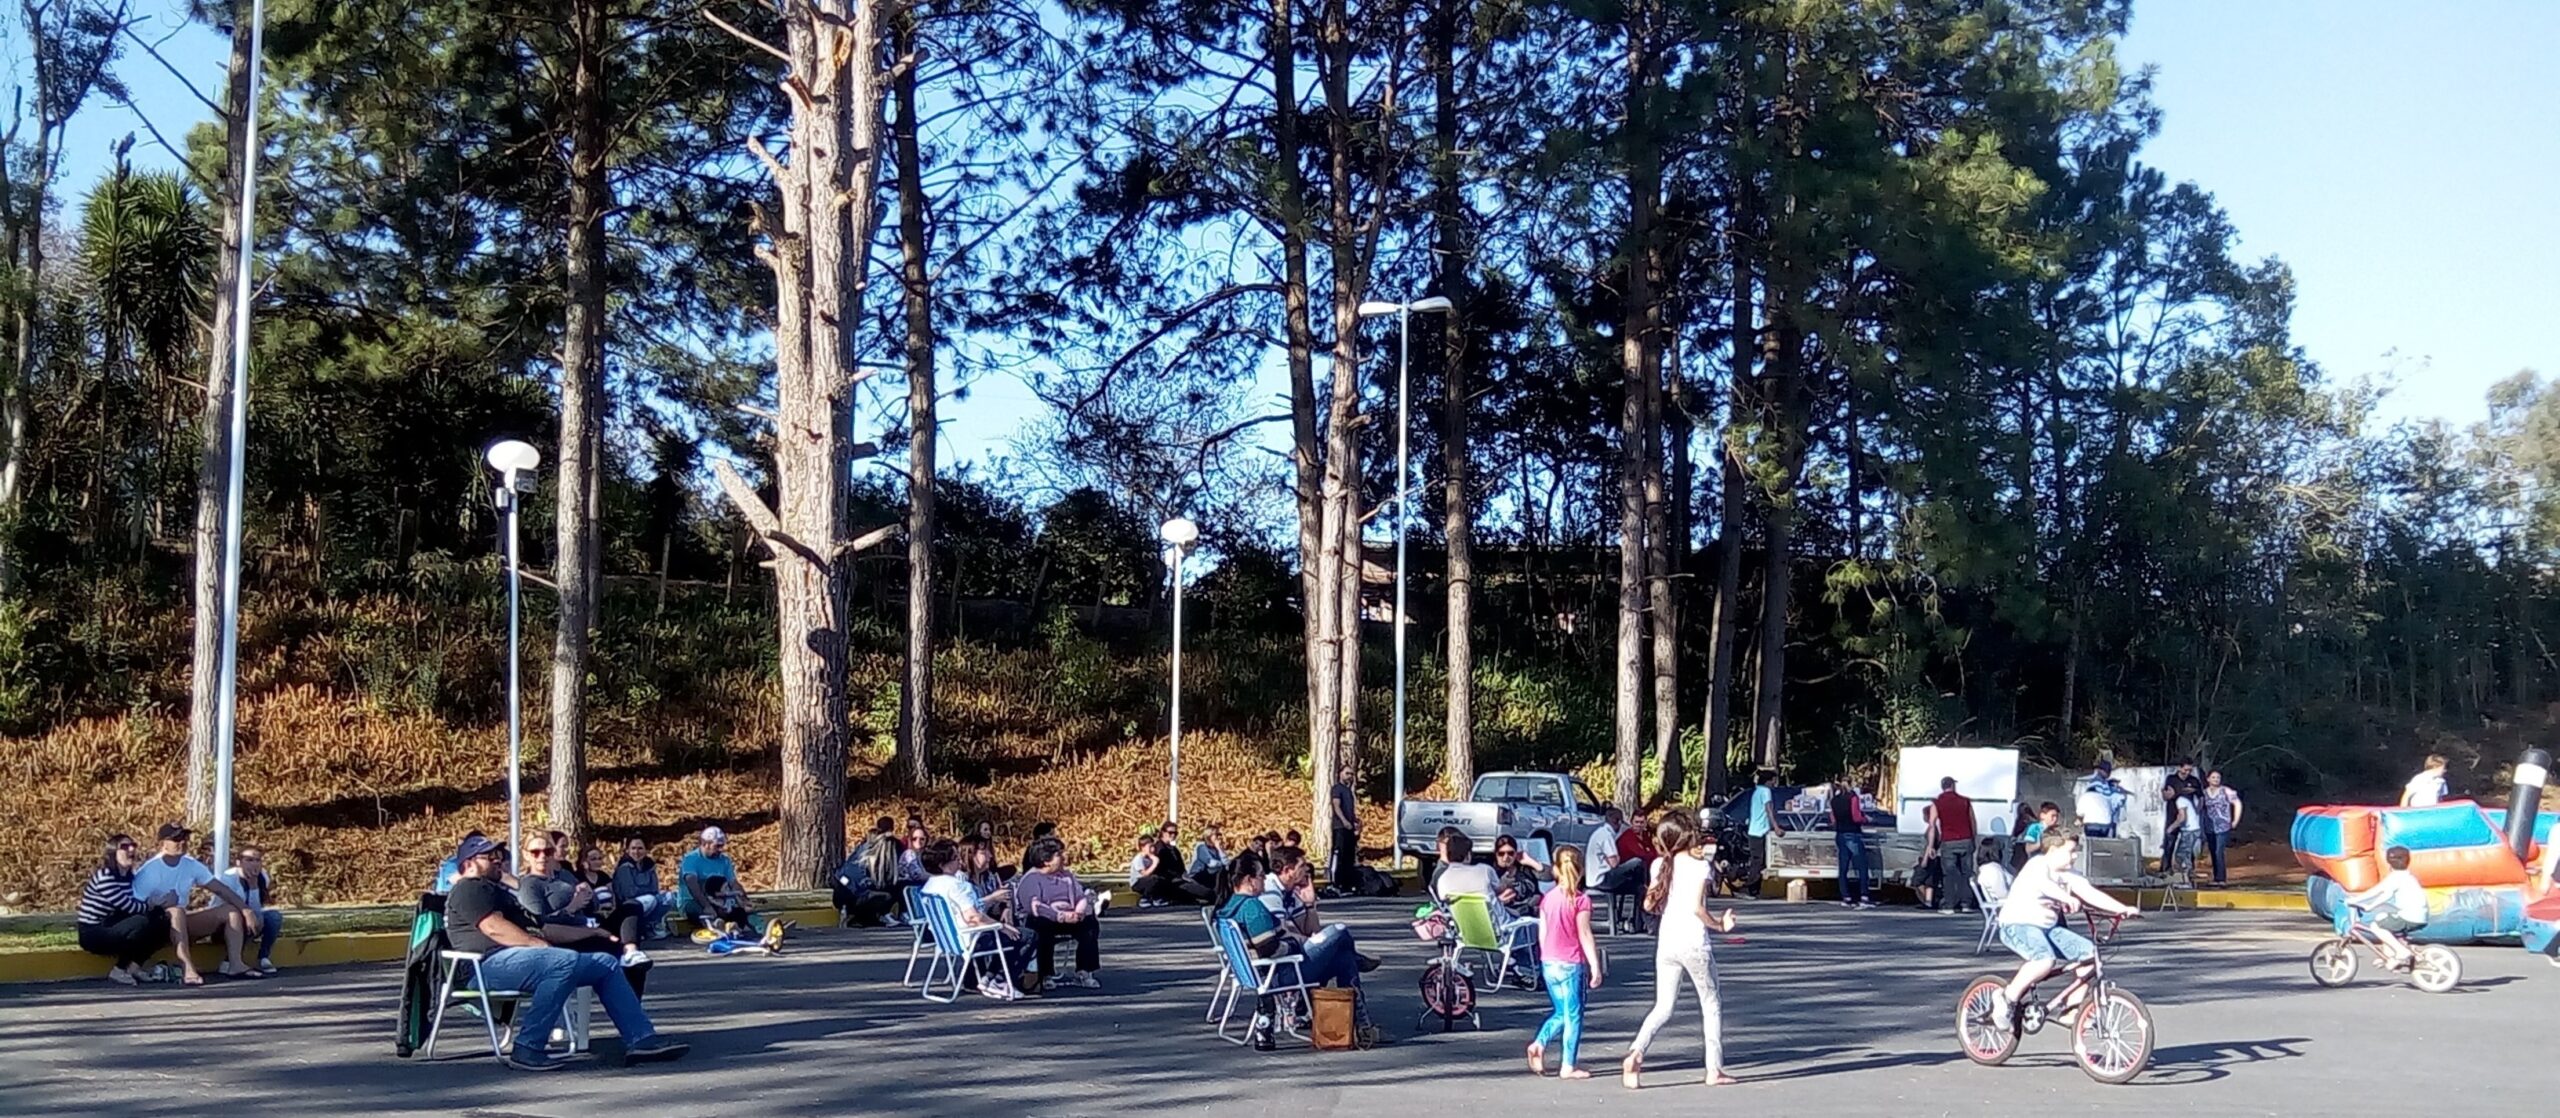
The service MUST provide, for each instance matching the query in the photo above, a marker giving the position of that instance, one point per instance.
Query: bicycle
(2433, 967)
(2111, 1032)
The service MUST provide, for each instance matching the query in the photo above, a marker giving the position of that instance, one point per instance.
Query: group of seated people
(1161, 876)
(1034, 905)
(135, 904)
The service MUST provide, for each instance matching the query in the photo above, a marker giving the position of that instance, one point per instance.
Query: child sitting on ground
(2401, 904)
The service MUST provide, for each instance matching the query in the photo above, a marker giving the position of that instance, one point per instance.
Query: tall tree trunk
(1317, 561)
(1663, 619)
(213, 466)
(1457, 511)
(1635, 341)
(581, 418)
(1787, 435)
(1343, 420)
(915, 733)
(827, 213)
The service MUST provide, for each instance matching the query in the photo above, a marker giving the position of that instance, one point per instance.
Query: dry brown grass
(355, 802)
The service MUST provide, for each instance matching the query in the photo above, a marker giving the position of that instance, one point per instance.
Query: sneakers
(2001, 1005)
(123, 976)
(634, 957)
(1261, 1033)
(893, 920)
(1365, 1036)
(654, 1049)
(1084, 979)
(531, 1061)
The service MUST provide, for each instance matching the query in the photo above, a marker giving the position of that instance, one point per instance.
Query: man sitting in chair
(482, 916)
(1329, 953)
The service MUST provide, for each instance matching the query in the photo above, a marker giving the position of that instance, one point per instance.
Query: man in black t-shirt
(483, 916)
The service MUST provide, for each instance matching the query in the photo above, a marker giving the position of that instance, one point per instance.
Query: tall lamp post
(1404, 491)
(226, 710)
(1179, 534)
(513, 458)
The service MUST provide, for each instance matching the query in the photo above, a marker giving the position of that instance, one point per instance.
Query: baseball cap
(174, 832)
(714, 834)
(476, 844)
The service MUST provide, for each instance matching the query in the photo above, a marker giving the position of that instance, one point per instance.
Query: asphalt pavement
(1827, 1013)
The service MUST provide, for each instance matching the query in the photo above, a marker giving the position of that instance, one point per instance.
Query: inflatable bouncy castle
(2477, 888)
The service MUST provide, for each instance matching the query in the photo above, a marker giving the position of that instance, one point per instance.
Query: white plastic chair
(576, 1019)
(958, 947)
(1259, 977)
(1990, 917)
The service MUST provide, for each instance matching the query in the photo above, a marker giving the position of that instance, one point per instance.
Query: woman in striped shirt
(112, 921)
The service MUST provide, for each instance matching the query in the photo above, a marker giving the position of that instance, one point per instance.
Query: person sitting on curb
(1160, 879)
(710, 896)
(168, 882)
(115, 923)
(1209, 860)
(859, 901)
(482, 916)
(1329, 954)
(564, 906)
(639, 906)
(1056, 906)
(969, 909)
(263, 922)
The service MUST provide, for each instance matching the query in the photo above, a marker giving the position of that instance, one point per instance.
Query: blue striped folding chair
(1248, 975)
(956, 948)
(923, 935)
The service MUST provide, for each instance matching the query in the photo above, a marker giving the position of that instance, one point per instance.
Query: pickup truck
(1506, 803)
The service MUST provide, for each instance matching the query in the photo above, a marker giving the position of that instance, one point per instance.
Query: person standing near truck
(1760, 818)
(1951, 831)
(1849, 843)
(1346, 832)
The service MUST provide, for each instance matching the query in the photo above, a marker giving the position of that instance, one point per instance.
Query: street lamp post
(513, 458)
(1180, 533)
(226, 710)
(1404, 492)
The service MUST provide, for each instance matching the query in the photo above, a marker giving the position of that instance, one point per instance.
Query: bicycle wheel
(2436, 969)
(2112, 1037)
(1447, 993)
(1987, 1039)
(2333, 963)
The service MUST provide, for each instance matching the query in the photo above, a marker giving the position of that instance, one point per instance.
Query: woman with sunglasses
(115, 923)
(566, 906)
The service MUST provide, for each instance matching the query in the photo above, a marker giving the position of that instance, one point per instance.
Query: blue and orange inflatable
(2477, 888)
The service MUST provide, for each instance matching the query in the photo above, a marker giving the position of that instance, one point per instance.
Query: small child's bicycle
(2110, 1028)
(2431, 967)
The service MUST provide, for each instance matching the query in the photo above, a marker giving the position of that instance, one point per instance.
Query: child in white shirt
(2400, 903)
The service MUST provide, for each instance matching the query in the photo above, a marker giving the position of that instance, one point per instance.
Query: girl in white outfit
(1680, 880)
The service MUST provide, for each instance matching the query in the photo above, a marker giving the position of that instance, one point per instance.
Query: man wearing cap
(483, 916)
(707, 892)
(168, 882)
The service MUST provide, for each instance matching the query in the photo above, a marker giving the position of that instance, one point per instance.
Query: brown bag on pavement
(1331, 1029)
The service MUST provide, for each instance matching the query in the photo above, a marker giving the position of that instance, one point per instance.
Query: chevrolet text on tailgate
(1507, 803)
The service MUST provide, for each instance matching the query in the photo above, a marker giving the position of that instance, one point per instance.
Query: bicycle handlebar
(2115, 923)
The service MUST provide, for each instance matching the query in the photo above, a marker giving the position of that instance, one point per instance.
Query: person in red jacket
(1950, 818)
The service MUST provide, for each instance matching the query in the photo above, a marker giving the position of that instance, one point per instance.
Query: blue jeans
(2219, 842)
(1564, 1018)
(270, 927)
(1850, 847)
(1332, 958)
(550, 974)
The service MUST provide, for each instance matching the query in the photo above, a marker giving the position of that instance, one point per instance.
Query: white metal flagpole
(226, 711)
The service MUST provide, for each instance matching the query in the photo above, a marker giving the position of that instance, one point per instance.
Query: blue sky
(2403, 158)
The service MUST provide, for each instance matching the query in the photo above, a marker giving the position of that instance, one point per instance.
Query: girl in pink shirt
(1569, 962)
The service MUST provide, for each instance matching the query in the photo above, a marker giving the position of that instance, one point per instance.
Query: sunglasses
(538, 851)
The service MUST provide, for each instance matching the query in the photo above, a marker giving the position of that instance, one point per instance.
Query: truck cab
(1503, 803)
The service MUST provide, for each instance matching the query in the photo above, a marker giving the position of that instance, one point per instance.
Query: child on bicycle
(2402, 903)
(2032, 924)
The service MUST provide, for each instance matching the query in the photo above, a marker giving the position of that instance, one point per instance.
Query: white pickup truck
(1512, 804)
